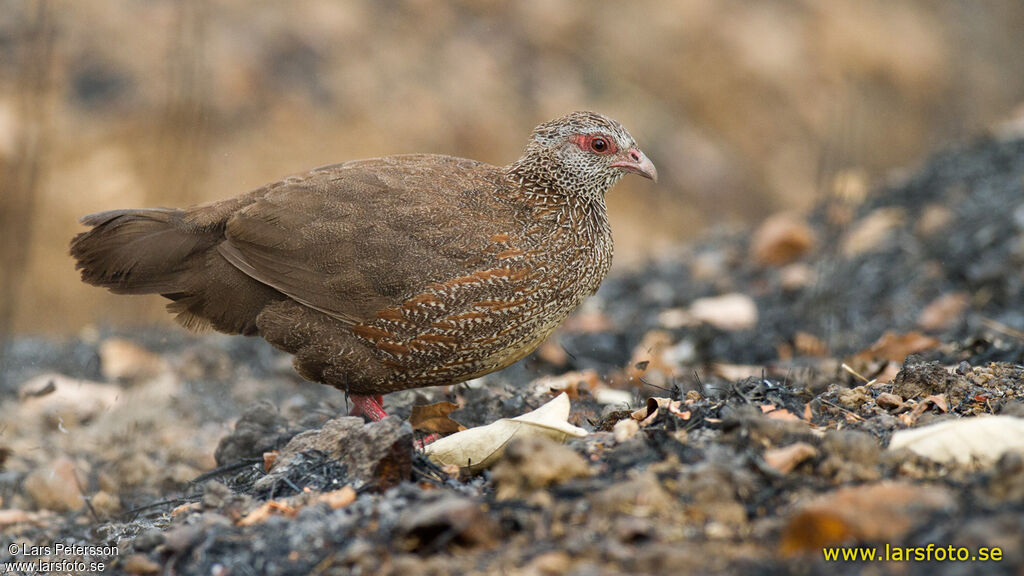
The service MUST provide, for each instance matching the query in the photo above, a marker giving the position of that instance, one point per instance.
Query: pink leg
(369, 406)
(422, 443)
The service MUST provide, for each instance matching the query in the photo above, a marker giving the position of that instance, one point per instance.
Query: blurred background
(746, 108)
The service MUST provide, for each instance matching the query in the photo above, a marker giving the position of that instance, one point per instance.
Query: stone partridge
(387, 273)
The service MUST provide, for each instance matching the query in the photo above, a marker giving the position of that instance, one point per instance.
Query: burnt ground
(720, 441)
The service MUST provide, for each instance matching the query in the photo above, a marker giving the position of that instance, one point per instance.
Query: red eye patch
(596, 143)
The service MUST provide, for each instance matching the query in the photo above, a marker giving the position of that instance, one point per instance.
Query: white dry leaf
(479, 448)
(729, 312)
(983, 439)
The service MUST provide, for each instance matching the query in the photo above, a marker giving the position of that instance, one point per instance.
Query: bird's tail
(165, 251)
(138, 251)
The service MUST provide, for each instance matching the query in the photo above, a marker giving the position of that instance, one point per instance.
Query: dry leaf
(479, 448)
(552, 352)
(807, 344)
(781, 239)
(983, 438)
(434, 418)
(266, 510)
(734, 372)
(649, 361)
(880, 512)
(269, 458)
(338, 498)
(605, 395)
(778, 413)
(896, 347)
(186, 508)
(872, 231)
(570, 383)
(649, 412)
(939, 401)
(942, 312)
(787, 458)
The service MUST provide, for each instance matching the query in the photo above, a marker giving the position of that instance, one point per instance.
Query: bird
(387, 273)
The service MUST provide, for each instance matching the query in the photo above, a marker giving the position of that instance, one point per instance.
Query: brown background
(746, 108)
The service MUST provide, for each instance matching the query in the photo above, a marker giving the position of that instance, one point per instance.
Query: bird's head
(583, 152)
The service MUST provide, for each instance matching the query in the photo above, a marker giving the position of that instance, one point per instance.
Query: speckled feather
(388, 273)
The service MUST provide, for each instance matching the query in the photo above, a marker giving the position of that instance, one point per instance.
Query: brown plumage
(388, 273)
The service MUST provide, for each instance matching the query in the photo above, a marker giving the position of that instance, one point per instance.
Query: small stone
(729, 312)
(139, 564)
(781, 239)
(919, 378)
(451, 520)
(553, 563)
(625, 429)
(125, 361)
(106, 504)
(375, 453)
(148, 539)
(890, 402)
(181, 539)
(55, 486)
(261, 429)
(536, 462)
(880, 512)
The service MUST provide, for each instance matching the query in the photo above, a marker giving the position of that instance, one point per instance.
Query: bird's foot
(369, 406)
(372, 407)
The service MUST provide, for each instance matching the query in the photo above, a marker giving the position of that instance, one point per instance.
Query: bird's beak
(635, 161)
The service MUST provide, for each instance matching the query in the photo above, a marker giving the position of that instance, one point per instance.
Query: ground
(744, 398)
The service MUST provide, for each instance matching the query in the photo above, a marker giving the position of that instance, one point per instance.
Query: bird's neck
(540, 179)
(579, 206)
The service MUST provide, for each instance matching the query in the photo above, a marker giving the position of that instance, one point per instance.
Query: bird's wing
(352, 239)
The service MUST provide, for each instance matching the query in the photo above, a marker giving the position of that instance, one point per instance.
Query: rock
(181, 539)
(135, 469)
(377, 453)
(554, 563)
(625, 429)
(873, 231)
(61, 401)
(882, 512)
(781, 239)
(139, 564)
(148, 539)
(449, 521)
(640, 496)
(919, 378)
(55, 487)
(105, 504)
(729, 312)
(125, 361)
(260, 429)
(850, 456)
(890, 402)
(536, 462)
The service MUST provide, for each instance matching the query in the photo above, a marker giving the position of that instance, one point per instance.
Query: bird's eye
(599, 145)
